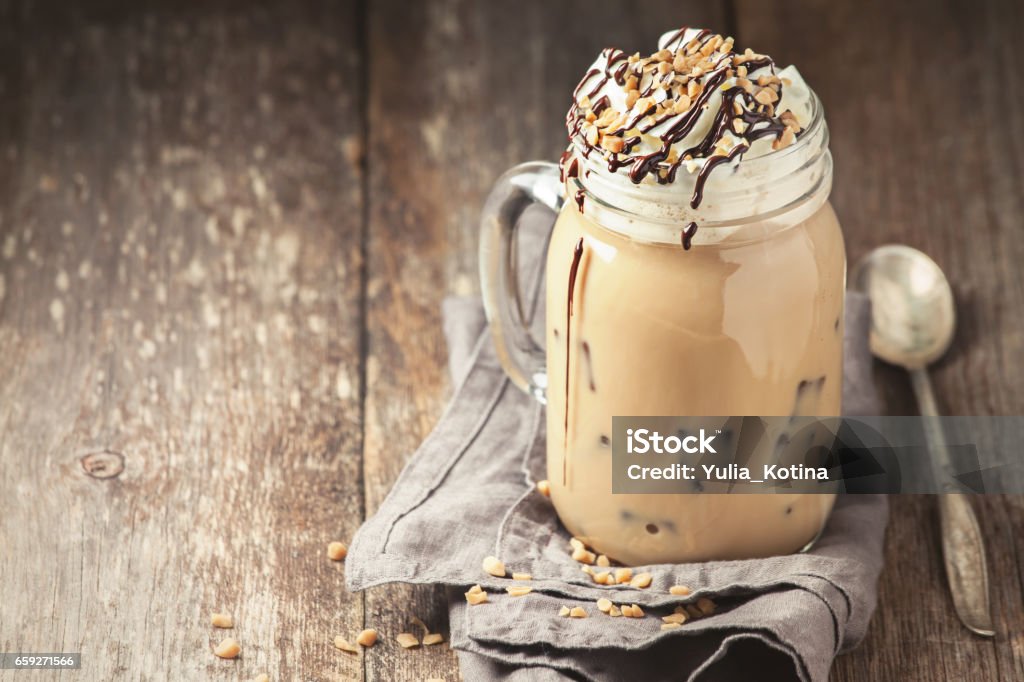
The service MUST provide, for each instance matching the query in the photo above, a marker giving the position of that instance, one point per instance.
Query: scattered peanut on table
(494, 566)
(476, 595)
(343, 644)
(228, 648)
(222, 620)
(407, 640)
(336, 551)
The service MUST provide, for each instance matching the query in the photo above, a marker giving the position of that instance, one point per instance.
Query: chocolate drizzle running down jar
(698, 270)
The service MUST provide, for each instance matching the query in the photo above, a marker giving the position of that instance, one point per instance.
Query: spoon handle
(963, 549)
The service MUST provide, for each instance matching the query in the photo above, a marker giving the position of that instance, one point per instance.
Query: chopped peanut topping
(612, 143)
(494, 566)
(766, 96)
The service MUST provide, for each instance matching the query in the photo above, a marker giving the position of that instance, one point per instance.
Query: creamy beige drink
(696, 268)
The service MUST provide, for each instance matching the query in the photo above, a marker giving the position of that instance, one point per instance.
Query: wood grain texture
(225, 234)
(459, 92)
(180, 268)
(929, 154)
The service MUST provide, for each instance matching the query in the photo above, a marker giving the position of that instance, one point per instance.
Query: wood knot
(103, 464)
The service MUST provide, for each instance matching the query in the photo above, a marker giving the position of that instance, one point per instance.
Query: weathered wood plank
(459, 92)
(928, 155)
(180, 266)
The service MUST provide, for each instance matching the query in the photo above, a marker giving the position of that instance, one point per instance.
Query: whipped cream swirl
(694, 104)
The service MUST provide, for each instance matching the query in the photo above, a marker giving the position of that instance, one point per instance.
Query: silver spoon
(912, 322)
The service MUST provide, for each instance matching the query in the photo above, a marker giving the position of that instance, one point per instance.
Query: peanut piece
(433, 638)
(336, 551)
(706, 606)
(476, 598)
(679, 589)
(228, 648)
(603, 561)
(522, 576)
(614, 611)
(675, 618)
(604, 605)
(343, 644)
(222, 620)
(494, 566)
(544, 487)
(367, 637)
(613, 144)
(519, 590)
(577, 612)
(637, 611)
(670, 626)
(564, 611)
(407, 640)
(641, 580)
(623, 575)
(766, 96)
(476, 595)
(582, 555)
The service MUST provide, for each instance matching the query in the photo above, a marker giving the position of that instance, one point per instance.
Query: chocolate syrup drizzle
(577, 254)
(737, 104)
(687, 236)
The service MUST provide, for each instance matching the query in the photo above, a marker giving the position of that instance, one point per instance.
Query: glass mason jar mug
(746, 319)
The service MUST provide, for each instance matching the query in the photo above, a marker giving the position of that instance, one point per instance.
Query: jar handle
(519, 353)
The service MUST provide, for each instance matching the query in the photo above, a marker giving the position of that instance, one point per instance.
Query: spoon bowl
(913, 317)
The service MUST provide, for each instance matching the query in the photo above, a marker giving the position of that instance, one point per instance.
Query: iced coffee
(696, 268)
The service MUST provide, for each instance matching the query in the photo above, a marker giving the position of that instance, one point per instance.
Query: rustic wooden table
(225, 236)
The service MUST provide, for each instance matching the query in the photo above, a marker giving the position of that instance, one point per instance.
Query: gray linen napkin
(468, 492)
